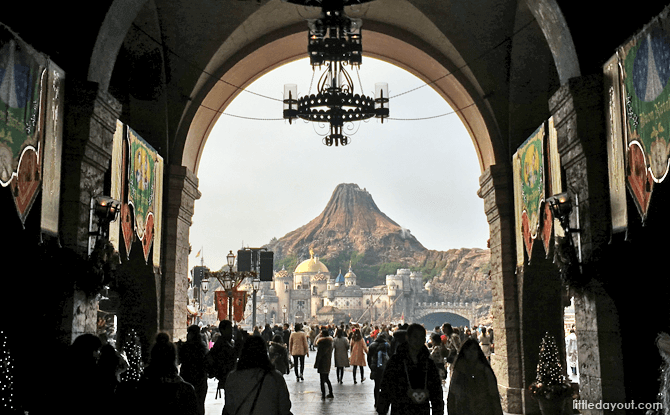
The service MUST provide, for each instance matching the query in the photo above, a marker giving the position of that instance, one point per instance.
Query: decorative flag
(144, 164)
(616, 149)
(22, 86)
(221, 304)
(118, 167)
(239, 304)
(529, 186)
(53, 150)
(645, 65)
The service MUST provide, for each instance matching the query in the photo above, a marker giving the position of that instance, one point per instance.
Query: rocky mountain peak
(351, 221)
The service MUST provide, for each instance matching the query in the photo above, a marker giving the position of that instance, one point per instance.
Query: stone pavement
(306, 396)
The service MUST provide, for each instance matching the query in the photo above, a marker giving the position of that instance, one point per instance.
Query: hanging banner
(239, 299)
(118, 166)
(142, 179)
(221, 301)
(645, 66)
(22, 99)
(239, 304)
(529, 186)
(158, 212)
(53, 150)
(614, 137)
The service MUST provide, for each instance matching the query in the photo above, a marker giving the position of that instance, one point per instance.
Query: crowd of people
(408, 365)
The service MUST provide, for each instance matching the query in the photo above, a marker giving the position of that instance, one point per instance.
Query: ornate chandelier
(335, 41)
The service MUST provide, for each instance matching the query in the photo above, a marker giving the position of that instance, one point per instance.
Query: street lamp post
(255, 284)
(265, 311)
(228, 283)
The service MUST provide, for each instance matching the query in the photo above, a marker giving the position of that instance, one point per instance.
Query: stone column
(90, 121)
(182, 192)
(578, 111)
(496, 188)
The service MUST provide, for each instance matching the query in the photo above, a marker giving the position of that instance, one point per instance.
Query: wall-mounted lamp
(561, 206)
(105, 209)
(568, 257)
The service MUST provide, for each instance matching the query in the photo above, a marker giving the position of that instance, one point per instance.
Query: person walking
(323, 361)
(298, 347)
(439, 354)
(161, 390)
(378, 356)
(571, 351)
(267, 333)
(222, 356)
(359, 350)
(279, 355)
(485, 343)
(473, 389)
(411, 384)
(255, 386)
(341, 352)
(192, 358)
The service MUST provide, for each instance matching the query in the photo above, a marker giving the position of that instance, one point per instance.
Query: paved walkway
(306, 396)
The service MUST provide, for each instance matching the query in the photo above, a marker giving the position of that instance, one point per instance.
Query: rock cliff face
(352, 229)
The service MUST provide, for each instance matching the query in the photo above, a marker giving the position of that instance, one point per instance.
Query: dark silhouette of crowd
(408, 366)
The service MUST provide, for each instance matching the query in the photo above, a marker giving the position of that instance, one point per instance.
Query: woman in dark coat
(473, 389)
(192, 357)
(279, 354)
(161, 390)
(411, 368)
(323, 361)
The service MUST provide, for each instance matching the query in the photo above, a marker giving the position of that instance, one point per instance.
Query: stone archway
(438, 318)
(408, 38)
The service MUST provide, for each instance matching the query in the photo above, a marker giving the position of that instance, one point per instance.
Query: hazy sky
(263, 179)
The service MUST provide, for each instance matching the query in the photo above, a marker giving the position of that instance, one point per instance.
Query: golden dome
(311, 265)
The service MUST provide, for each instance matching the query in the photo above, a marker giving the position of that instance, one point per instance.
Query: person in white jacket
(255, 386)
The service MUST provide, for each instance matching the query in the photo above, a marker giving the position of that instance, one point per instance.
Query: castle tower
(350, 277)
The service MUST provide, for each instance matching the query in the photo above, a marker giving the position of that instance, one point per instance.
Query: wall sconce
(567, 255)
(561, 206)
(105, 209)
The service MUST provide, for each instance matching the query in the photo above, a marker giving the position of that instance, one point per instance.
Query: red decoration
(640, 182)
(27, 183)
(221, 305)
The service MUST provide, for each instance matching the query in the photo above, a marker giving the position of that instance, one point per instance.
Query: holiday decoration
(550, 387)
(6, 376)
(133, 352)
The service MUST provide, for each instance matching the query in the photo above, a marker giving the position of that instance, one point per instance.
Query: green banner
(531, 163)
(646, 69)
(141, 181)
(20, 75)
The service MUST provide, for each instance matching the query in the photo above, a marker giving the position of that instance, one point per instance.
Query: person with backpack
(378, 356)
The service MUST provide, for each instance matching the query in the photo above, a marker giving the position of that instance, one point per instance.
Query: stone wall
(496, 189)
(181, 197)
(578, 111)
(90, 124)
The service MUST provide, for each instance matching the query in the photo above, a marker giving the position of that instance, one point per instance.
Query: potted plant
(550, 388)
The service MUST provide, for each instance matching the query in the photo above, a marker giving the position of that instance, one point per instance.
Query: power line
(459, 69)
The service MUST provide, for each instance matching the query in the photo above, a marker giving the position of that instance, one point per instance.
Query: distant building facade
(311, 293)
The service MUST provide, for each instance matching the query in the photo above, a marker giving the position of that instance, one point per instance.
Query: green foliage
(289, 263)
(389, 268)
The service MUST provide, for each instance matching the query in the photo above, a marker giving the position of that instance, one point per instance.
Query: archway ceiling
(239, 41)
